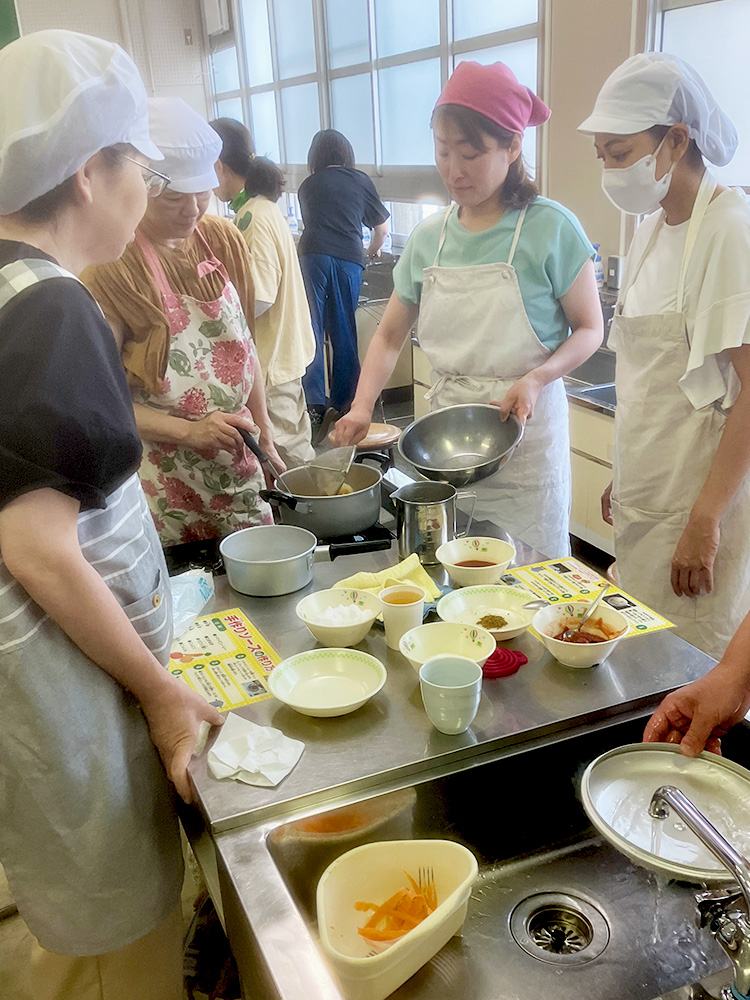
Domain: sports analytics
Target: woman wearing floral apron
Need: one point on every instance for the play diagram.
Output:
(503, 286)
(177, 300)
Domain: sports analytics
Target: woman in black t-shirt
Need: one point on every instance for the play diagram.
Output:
(336, 201)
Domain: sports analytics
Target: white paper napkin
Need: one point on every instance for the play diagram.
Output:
(257, 755)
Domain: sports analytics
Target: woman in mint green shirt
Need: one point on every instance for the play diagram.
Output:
(503, 286)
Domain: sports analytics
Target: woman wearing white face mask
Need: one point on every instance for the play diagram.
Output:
(680, 498)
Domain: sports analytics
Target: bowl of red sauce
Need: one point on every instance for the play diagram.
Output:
(590, 645)
(475, 560)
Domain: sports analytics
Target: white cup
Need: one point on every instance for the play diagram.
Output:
(451, 689)
(403, 609)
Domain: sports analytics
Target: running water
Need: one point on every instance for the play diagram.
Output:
(657, 829)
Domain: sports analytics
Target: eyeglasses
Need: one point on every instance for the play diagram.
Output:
(156, 183)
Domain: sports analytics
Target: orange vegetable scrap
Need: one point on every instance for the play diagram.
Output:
(401, 913)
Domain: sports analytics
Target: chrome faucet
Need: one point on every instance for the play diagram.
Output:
(717, 909)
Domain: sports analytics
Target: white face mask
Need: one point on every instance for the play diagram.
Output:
(635, 189)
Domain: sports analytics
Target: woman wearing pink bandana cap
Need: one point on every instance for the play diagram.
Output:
(503, 286)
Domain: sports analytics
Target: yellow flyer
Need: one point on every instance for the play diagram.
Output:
(559, 580)
(224, 658)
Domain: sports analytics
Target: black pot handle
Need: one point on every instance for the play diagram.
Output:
(279, 498)
(355, 548)
(378, 456)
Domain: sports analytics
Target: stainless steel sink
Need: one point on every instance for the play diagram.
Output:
(555, 912)
(605, 395)
(599, 369)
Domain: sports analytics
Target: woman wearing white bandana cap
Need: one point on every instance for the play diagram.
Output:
(88, 831)
(680, 498)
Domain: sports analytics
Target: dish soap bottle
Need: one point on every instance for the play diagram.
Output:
(598, 267)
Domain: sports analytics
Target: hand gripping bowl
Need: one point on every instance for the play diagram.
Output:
(460, 444)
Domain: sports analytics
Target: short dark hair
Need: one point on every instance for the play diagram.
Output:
(237, 144)
(693, 153)
(48, 205)
(329, 148)
(518, 189)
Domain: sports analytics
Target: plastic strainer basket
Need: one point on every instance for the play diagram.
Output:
(374, 872)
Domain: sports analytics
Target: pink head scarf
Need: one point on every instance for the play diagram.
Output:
(494, 92)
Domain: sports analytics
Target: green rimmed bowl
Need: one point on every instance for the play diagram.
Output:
(327, 682)
(469, 606)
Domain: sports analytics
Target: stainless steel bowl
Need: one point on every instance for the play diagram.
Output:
(460, 444)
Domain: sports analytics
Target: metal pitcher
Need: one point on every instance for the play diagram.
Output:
(426, 517)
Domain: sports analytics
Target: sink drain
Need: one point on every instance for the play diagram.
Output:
(559, 928)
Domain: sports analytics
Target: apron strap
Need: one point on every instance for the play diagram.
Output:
(516, 235)
(172, 304)
(212, 263)
(441, 241)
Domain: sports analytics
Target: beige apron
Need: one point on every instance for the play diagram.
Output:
(475, 332)
(664, 448)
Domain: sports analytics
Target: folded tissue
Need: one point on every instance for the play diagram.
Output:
(257, 755)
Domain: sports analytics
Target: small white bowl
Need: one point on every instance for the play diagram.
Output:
(495, 551)
(468, 605)
(327, 682)
(425, 641)
(309, 610)
(552, 620)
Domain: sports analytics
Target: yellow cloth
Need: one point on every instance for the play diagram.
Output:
(283, 333)
(408, 571)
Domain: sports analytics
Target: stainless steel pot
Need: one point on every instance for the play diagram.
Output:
(461, 444)
(329, 517)
(426, 518)
(273, 559)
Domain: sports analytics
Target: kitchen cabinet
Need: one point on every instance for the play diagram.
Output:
(592, 441)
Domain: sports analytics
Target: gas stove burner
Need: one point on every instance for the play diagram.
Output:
(376, 532)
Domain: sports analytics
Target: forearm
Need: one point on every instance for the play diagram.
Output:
(161, 427)
(729, 466)
(384, 350)
(377, 238)
(579, 346)
(256, 403)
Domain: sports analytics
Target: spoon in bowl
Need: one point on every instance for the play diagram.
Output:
(586, 614)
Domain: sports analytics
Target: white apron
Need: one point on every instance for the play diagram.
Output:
(663, 452)
(475, 332)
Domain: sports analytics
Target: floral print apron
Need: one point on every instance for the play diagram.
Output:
(194, 495)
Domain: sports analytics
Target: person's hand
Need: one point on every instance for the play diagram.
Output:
(372, 255)
(351, 428)
(693, 559)
(521, 398)
(267, 444)
(174, 717)
(606, 501)
(698, 715)
(217, 431)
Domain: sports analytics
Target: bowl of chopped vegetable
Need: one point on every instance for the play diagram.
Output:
(590, 644)
(498, 609)
(339, 617)
(385, 909)
(425, 641)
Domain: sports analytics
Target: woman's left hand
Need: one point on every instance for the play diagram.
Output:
(521, 398)
(693, 559)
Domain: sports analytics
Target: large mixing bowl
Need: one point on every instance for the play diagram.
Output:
(461, 444)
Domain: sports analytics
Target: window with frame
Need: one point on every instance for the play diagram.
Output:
(681, 28)
(371, 69)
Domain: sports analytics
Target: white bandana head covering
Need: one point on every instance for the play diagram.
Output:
(654, 88)
(65, 97)
(189, 145)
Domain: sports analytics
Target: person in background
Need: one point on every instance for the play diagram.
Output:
(503, 286)
(680, 499)
(698, 715)
(93, 726)
(177, 300)
(336, 201)
(283, 331)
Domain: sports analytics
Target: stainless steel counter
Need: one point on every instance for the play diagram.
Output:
(391, 738)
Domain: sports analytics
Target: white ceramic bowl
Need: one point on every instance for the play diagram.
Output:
(310, 608)
(326, 682)
(374, 872)
(552, 620)
(425, 641)
(493, 550)
(470, 604)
